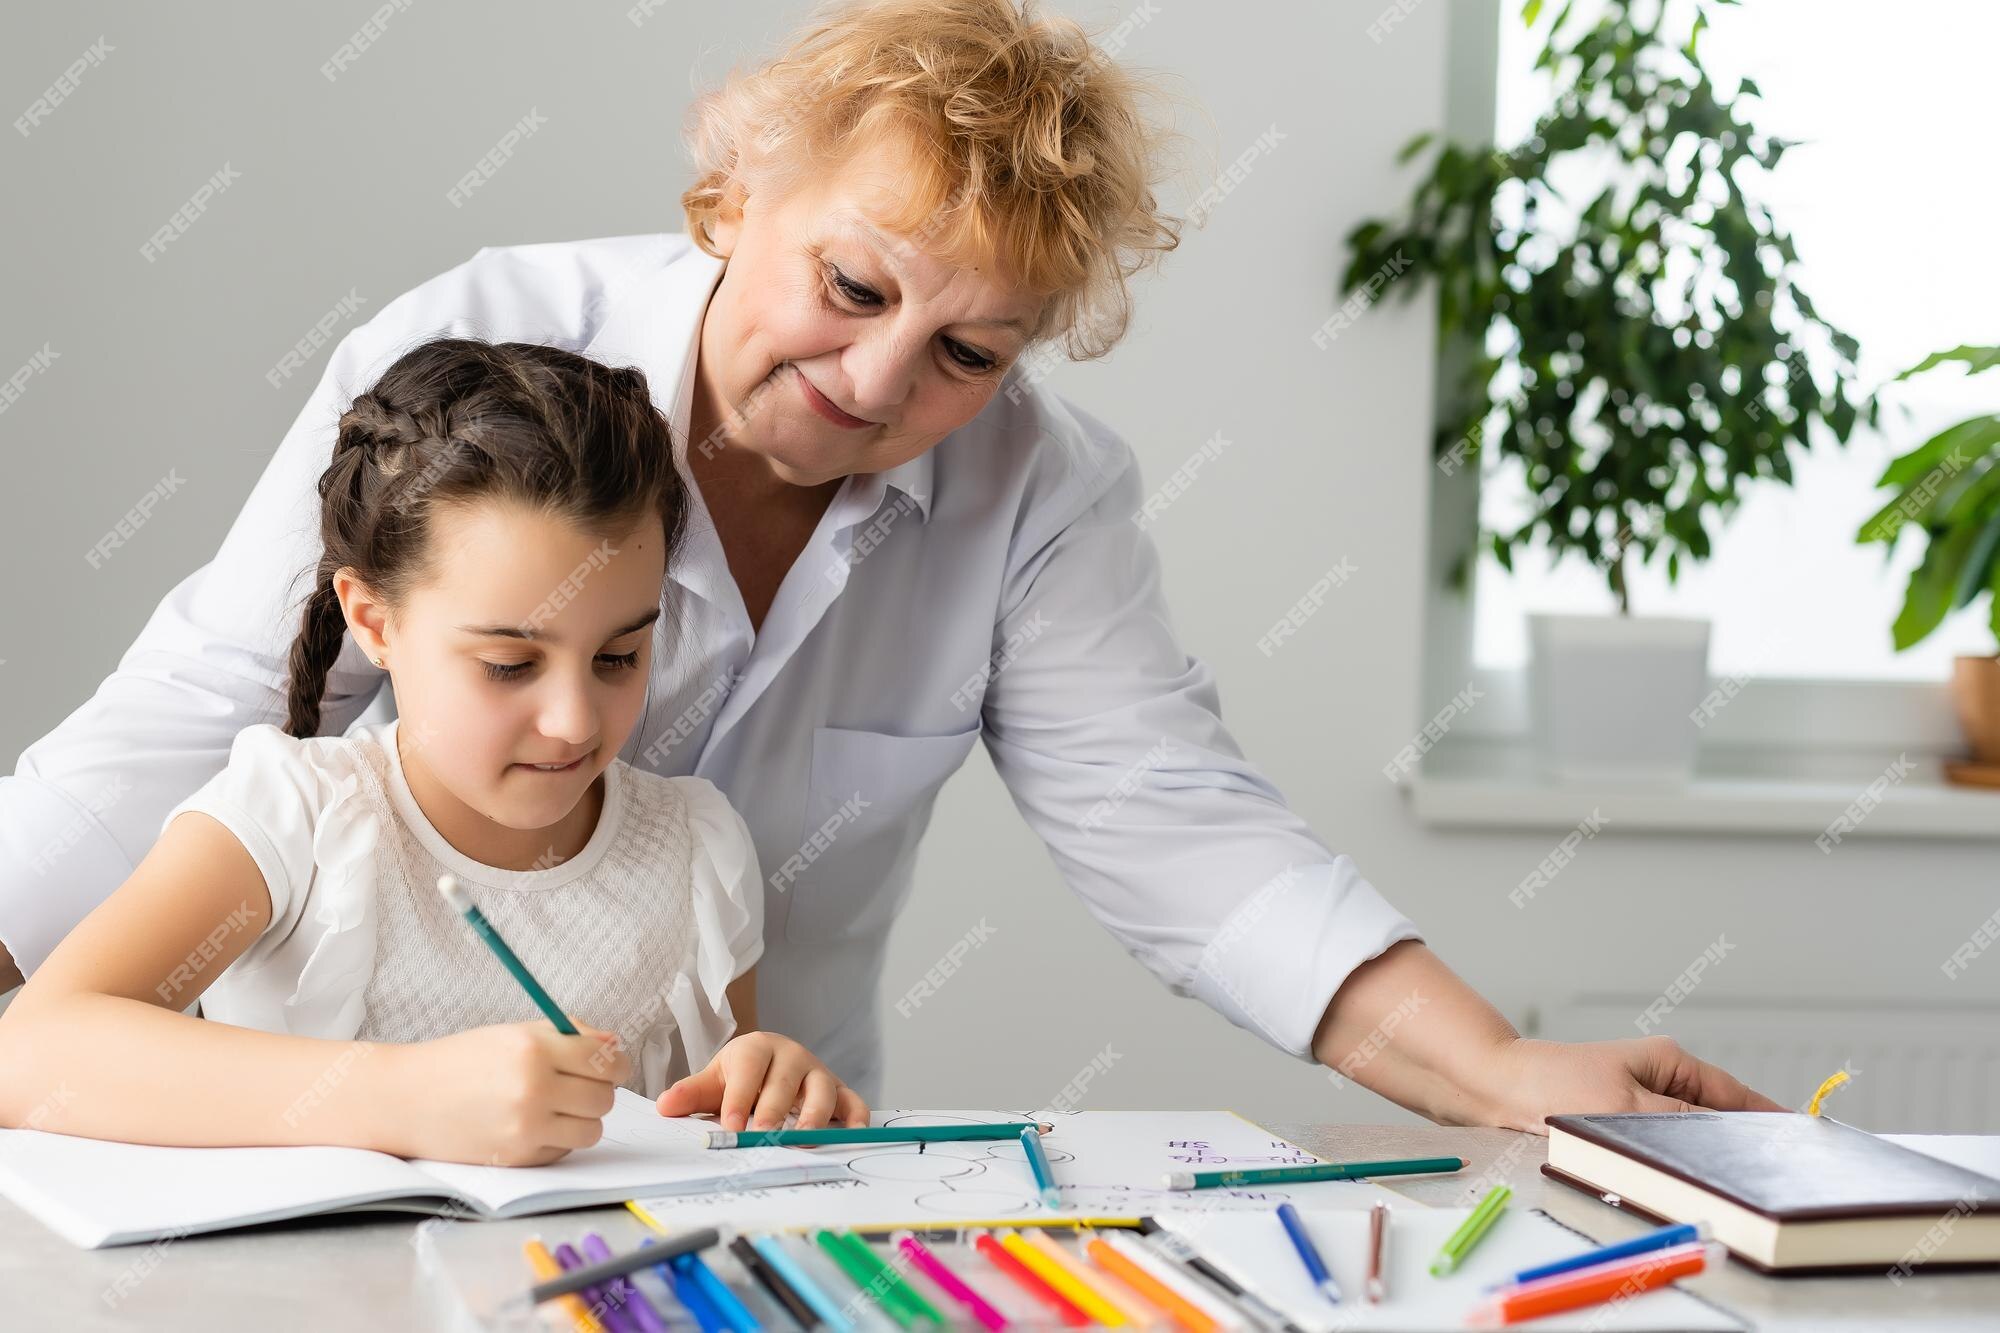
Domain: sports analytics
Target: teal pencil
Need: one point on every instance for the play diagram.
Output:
(455, 894)
(1294, 1175)
(821, 1138)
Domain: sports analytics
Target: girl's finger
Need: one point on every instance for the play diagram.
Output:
(582, 1096)
(573, 1131)
(849, 1110)
(743, 1069)
(818, 1100)
(782, 1081)
(696, 1094)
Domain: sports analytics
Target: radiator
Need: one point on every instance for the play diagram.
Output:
(1914, 1070)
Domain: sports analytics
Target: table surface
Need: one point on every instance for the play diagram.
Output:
(342, 1274)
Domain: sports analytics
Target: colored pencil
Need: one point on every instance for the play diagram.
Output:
(864, 1134)
(461, 902)
(1377, 1282)
(1038, 1164)
(1299, 1175)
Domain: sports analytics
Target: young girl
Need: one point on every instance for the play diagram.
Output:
(496, 523)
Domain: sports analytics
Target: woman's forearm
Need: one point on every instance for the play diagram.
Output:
(104, 1066)
(1404, 1025)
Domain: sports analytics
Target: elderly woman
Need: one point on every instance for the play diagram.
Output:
(902, 546)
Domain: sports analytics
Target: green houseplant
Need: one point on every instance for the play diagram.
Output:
(1948, 489)
(1618, 319)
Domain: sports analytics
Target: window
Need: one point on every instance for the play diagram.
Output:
(1892, 200)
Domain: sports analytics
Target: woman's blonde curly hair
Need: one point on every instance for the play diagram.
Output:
(1028, 146)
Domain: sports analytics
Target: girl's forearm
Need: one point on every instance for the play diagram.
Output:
(1406, 1026)
(104, 1066)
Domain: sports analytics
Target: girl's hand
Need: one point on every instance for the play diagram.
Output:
(515, 1094)
(759, 1078)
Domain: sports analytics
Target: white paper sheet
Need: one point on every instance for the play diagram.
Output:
(1254, 1249)
(1106, 1163)
(1974, 1152)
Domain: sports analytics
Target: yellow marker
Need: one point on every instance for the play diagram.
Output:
(1115, 1293)
(545, 1267)
(1838, 1077)
(1079, 1294)
(639, 1211)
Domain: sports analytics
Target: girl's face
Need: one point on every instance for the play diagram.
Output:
(530, 645)
(844, 348)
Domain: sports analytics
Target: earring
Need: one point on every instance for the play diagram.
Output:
(376, 660)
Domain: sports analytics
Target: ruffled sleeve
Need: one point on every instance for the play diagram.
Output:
(728, 902)
(300, 809)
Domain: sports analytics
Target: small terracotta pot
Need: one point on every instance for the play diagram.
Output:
(1975, 692)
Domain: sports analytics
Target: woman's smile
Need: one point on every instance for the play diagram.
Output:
(825, 406)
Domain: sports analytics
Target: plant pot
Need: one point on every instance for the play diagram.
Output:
(1975, 693)
(1612, 698)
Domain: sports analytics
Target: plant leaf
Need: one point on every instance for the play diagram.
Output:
(1979, 564)
(1931, 586)
(1976, 359)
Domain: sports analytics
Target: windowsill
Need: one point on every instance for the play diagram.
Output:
(1493, 783)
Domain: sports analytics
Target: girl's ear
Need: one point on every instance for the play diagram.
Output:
(367, 616)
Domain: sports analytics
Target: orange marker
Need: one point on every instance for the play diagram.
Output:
(545, 1267)
(1594, 1286)
(1186, 1316)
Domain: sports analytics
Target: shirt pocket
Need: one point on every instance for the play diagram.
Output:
(868, 801)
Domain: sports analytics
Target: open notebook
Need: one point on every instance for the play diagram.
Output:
(95, 1193)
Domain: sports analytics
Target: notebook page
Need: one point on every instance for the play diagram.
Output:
(95, 1192)
(641, 1152)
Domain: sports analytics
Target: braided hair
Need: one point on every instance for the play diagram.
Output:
(457, 419)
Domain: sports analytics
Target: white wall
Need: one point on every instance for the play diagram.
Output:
(342, 189)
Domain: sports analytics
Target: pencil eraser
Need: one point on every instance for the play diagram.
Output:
(1180, 1180)
(454, 892)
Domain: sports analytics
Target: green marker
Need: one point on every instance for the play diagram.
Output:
(1477, 1223)
(869, 1273)
(1299, 1175)
(461, 901)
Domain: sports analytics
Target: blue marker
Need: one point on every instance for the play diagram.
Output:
(1651, 1240)
(809, 1291)
(731, 1309)
(687, 1290)
(1038, 1162)
(1295, 1227)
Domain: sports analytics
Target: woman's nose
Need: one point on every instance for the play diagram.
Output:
(881, 368)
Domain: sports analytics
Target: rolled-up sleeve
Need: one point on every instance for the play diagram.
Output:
(1109, 737)
(85, 802)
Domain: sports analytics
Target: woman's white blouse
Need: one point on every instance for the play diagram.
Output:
(640, 932)
(1002, 586)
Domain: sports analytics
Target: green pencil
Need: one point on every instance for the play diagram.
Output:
(1298, 1175)
(821, 1138)
(1476, 1224)
(455, 894)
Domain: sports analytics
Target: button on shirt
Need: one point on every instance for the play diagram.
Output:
(998, 587)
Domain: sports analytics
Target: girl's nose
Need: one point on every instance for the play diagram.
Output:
(567, 714)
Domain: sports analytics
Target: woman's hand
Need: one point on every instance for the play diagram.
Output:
(515, 1094)
(759, 1078)
(1547, 1078)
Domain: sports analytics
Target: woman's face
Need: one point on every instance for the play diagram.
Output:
(831, 347)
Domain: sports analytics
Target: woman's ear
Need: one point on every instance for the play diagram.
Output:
(726, 225)
(367, 616)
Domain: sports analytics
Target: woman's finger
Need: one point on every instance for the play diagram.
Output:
(849, 1110)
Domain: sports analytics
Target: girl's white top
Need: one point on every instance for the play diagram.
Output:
(638, 933)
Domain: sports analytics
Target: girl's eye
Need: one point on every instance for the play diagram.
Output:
(966, 357)
(605, 661)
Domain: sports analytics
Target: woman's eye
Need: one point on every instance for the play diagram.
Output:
(853, 291)
(968, 358)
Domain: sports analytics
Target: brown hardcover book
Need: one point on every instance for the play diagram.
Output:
(1786, 1193)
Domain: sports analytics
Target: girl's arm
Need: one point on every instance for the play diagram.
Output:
(96, 1044)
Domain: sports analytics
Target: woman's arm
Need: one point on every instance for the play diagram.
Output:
(96, 1043)
(1404, 1025)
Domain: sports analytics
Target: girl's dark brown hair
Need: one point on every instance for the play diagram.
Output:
(457, 420)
